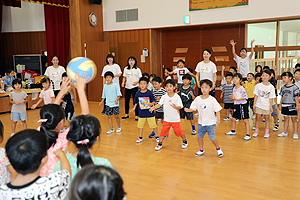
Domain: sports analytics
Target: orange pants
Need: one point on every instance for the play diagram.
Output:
(176, 127)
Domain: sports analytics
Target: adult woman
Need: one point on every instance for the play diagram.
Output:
(55, 72)
(206, 69)
(131, 76)
(114, 68)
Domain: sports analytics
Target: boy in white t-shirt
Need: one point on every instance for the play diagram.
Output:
(207, 106)
(243, 61)
(46, 94)
(180, 71)
(172, 104)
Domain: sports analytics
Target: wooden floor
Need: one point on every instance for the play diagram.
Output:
(256, 169)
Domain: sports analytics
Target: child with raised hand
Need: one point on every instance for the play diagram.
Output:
(172, 104)
(264, 94)
(84, 133)
(67, 103)
(18, 99)
(193, 81)
(207, 106)
(180, 71)
(111, 93)
(8, 80)
(47, 94)
(97, 182)
(243, 60)
(231, 69)
(289, 104)
(158, 92)
(249, 86)
(226, 92)
(241, 110)
(27, 153)
(53, 120)
(187, 95)
(144, 99)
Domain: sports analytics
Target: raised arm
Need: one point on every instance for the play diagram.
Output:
(252, 49)
(80, 85)
(233, 47)
(222, 73)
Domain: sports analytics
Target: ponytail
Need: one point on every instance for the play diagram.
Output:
(51, 135)
(84, 156)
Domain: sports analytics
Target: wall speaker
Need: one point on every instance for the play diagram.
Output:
(95, 2)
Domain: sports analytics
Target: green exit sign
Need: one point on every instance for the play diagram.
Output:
(187, 19)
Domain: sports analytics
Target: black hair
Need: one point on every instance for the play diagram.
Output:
(267, 71)
(53, 113)
(64, 74)
(180, 60)
(229, 74)
(16, 81)
(258, 66)
(187, 76)
(191, 70)
(152, 75)
(9, 71)
(108, 73)
(145, 74)
(243, 49)
(157, 79)
(266, 67)
(1, 131)
(135, 63)
(144, 79)
(209, 51)
(233, 68)
(45, 80)
(170, 81)
(297, 65)
(238, 75)
(258, 74)
(25, 150)
(110, 56)
(250, 74)
(97, 182)
(169, 69)
(297, 70)
(84, 130)
(207, 81)
(54, 56)
(288, 74)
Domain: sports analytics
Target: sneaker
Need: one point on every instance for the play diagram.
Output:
(278, 121)
(196, 114)
(136, 119)
(184, 145)
(118, 129)
(255, 135)
(11, 134)
(103, 113)
(110, 131)
(139, 140)
(236, 120)
(194, 132)
(275, 128)
(220, 152)
(158, 147)
(157, 139)
(254, 116)
(165, 137)
(267, 135)
(295, 137)
(125, 117)
(283, 134)
(283, 120)
(199, 153)
(227, 119)
(247, 137)
(152, 135)
(263, 120)
(253, 128)
(230, 133)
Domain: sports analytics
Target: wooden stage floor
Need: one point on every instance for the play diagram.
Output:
(256, 169)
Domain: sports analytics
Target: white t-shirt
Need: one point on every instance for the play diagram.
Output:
(243, 65)
(132, 75)
(47, 95)
(180, 72)
(206, 109)
(115, 69)
(55, 75)
(264, 93)
(171, 114)
(206, 70)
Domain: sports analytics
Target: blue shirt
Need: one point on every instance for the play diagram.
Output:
(143, 100)
(110, 94)
(192, 83)
(8, 81)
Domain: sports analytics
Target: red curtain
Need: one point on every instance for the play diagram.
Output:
(13, 3)
(59, 3)
(57, 33)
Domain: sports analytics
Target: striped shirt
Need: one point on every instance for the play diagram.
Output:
(227, 89)
(159, 94)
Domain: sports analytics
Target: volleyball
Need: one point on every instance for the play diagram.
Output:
(81, 65)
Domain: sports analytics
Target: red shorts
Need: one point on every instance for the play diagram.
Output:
(177, 128)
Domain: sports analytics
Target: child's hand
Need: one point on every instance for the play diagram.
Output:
(132, 110)
(123, 85)
(65, 85)
(157, 98)
(231, 97)
(187, 110)
(173, 105)
(100, 104)
(59, 153)
(218, 121)
(134, 83)
(151, 109)
(191, 93)
(116, 102)
(80, 81)
(17, 103)
(279, 107)
(232, 42)
(252, 41)
(297, 108)
(221, 96)
(33, 106)
(271, 109)
(254, 107)
(223, 68)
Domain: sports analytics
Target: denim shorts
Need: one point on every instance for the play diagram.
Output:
(18, 116)
(210, 129)
(274, 113)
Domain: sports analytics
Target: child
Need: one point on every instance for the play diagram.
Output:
(97, 182)
(46, 94)
(207, 106)
(243, 61)
(67, 103)
(53, 120)
(273, 81)
(258, 69)
(297, 66)
(257, 77)
(172, 103)
(167, 71)
(187, 95)
(84, 133)
(144, 99)
(226, 92)
(264, 94)
(150, 86)
(180, 71)
(27, 153)
(193, 82)
(241, 110)
(111, 93)
(249, 85)
(231, 69)
(297, 77)
(8, 80)
(158, 92)
(18, 99)
(289, 104)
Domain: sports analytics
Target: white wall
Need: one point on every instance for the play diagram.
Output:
(30, 17)
(167, 13)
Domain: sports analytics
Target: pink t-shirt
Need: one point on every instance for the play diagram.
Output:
(61, 142)
(240, 93)
(47, 95)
